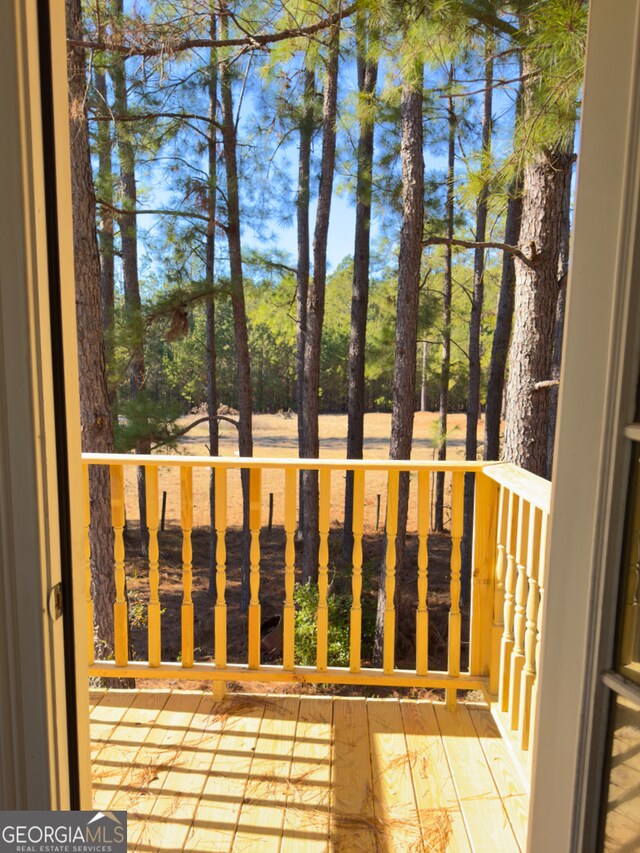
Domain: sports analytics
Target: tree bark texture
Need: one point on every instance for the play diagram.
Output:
(129, 250)
(210, 263)
(243, 371)
(95, 415)
(106, 241)
(315, 314)
(404, 369)
(504, 316)
(477, 302)
(304, 261)
(558, 331)
(445, 365)
(367, 80)
(502, 332)
(546, 182)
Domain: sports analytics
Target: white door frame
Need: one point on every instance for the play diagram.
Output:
(34, 734)
(600, 366)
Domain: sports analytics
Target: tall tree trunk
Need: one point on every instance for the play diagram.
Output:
(212, 385)
(315, 313)
(241, 335)
(445, 367)
(546, 182)
(504, 316)
(304, 265)
(404, 368)
(502, 332)
(558, 331)
(367, 79)
(106, 245)
(473, 395)
(96, 428)
(423, 379)
(129, 247)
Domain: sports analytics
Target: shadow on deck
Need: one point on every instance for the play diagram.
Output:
(293, 773)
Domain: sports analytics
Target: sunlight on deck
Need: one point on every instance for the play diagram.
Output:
(291, 773)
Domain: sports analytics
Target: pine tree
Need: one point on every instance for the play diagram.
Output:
(554, 41)
(96, 431)
(367, 65)
(477, 302)
(129, 250)
(243, 366)
(409, 261)
(315, 312)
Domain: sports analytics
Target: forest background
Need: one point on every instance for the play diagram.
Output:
(226, 156)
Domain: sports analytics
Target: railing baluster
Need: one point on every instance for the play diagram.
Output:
(455, 618)
(483, 573)
(220, 619)
(533, 596)
(422, 613)
(186, 523)
(255, 493)
(120, 627)
(289, 614)
(517, 658)
(153, 608)
(324, 519)
(355, 634)
(542, 581)
(498, 594)
(506, 647)
(389, 642)
(87, 558)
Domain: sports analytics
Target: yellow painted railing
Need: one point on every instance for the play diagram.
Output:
(508, 578)
(519, 584)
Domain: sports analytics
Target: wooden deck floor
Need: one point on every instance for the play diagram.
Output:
(289, 773)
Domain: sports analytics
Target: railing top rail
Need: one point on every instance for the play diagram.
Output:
(175, 460)
(536, 490)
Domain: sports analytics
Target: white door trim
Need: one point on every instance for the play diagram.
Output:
(600, 362)
(34, 766)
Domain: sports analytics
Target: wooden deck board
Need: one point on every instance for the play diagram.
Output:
(215, 823)
(123, 743)
(160, 751)
(306, 818)
(485, 818)
(394, 801)
(504, 772)
(439, 810)
(107, 710)
(352, 818)
(262, 814)
(287, 773)
(177, 804)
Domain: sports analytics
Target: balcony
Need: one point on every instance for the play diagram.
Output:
(211, 769)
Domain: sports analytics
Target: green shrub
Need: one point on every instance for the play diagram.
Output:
(339, 606)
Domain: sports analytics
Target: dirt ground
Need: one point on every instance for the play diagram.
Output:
(276, 436)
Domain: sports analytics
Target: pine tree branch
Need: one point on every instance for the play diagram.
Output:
(270, 264)
(497, 85)
(547, 383)
(159, 212)
(473, 244)
(110, 116)
(167, 48)
(174, 435)
(485, 13)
